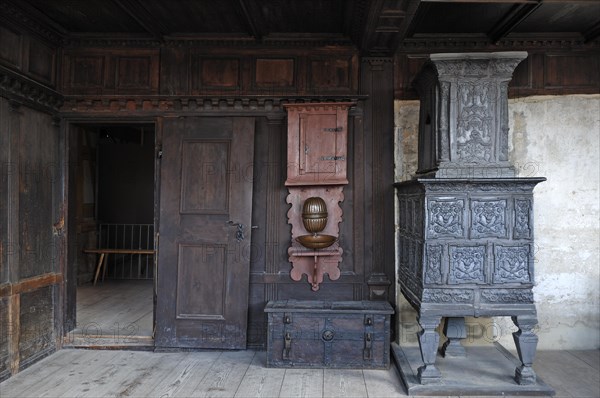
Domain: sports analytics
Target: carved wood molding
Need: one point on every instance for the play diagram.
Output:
(75, 41)
(26, 20)
(26, 91)
(193, 104)
(431, 43)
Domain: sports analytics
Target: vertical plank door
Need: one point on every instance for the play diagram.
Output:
(204, 232)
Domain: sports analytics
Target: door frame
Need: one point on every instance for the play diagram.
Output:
(69, 286)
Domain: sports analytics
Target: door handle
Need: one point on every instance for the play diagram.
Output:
(239, 234)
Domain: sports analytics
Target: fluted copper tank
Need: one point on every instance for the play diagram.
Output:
(314, 214)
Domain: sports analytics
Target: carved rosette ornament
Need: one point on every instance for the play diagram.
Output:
(465, 223)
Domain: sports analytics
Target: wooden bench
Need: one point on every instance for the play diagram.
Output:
(105, 252)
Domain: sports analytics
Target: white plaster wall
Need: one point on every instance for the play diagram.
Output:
(557, 137)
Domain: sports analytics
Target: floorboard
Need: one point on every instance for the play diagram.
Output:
(98, 373)
(302, 383)
(344, 383)
(224, 376)
(115, 309)
(260, 381)
(592, 358)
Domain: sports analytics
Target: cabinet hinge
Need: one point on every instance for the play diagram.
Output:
(333, 158)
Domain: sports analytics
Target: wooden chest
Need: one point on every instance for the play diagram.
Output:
(328, 334)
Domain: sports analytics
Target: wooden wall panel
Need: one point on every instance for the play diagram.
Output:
(209, 72)
(134, 74)
(215, 74)
(550, 72)
(5, 332)
(7, 168)
(10, 47)
(87, 73)
(329, 74)
(42, 62)
(174, 71)
(571, 71)
(29, 55)
(274, 73)
(31, 246)
(110, 72)
(38, 154)
(36, 332)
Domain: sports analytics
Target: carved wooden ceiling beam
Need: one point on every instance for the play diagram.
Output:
(517, 14)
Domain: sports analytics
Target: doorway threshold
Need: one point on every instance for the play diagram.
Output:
(104, 342)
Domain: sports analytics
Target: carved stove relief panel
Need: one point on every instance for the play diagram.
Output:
(522, 227)
(433, 265)
(488, 218)
(448, 296)
(467, 264)
(506, 296)
(511, 264)
(475, 122)
(445, 218)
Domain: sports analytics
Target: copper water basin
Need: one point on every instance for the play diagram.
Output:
(316, 241)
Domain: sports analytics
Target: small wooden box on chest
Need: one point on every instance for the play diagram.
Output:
(328, 334)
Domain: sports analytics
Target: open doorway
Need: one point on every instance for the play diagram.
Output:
(111, 262)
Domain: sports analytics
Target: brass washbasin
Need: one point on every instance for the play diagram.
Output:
(316, 241)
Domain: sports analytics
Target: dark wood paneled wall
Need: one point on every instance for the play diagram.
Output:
(176, 71)
(553, 70)
(34, 56)
(31, 245)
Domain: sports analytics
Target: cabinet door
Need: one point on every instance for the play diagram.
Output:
(317, 145)
(318, 141)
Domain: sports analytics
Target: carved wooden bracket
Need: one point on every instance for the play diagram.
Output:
(315, 263)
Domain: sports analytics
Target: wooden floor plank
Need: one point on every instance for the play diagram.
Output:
(383, 383)
(590, 357)
(138, 369)
(115, 308)
(344, 383)
(260, 381)
(302, 383)
(81, 373)
(223, 377)
(188, 372)
(40, 373)
(567, 374)
(92, 370)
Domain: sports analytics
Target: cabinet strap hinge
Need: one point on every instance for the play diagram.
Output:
(333, 129)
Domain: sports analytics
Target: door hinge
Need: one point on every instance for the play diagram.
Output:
(333, 158)
(333, 129)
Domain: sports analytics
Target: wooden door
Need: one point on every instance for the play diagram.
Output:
(204, 232)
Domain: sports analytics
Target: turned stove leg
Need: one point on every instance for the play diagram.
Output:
(526, 341)
(455, 331)
(429, 340)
